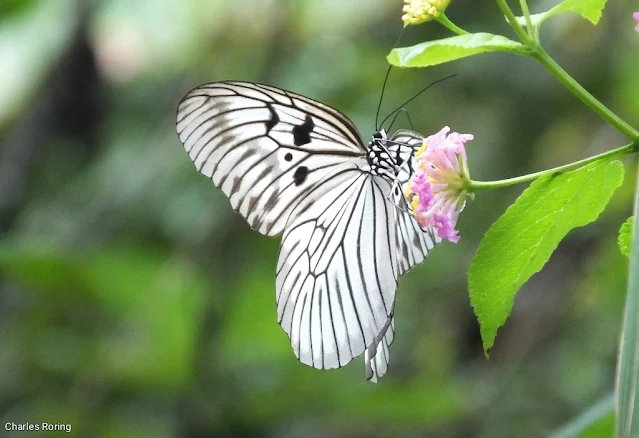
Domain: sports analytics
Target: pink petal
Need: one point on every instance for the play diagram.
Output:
(438, 182)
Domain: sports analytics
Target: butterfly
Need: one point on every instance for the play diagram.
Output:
(291, 165)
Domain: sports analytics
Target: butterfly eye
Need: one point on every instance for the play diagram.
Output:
(377, 135)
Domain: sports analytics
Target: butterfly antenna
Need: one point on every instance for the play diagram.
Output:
(417, 95)
(397, 113)
(381, 97)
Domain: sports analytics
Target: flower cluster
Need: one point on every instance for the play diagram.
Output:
(421, 11)
(636, 17)
(438, 188)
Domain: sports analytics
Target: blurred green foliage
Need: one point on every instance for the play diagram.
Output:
(135, 303)
(7, 7)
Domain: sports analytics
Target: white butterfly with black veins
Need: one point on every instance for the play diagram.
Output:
(292, 165)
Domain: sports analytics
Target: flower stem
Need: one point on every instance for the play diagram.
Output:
(587, 98)
(535, 50)
(510, 16)
(444, 20)
(483, 185)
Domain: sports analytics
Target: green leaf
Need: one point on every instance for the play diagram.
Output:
(449, 49)
(589, 9)
(521, 241)
(625, 233)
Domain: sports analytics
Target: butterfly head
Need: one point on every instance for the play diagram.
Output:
(379, 135)
(380, 157)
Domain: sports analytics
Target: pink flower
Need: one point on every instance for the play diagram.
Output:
(438, 188)
(636, 17)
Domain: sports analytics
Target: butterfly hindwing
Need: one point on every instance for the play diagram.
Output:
(413, 243)
(337, 268)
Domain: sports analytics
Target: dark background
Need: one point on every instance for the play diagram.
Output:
(135, 303)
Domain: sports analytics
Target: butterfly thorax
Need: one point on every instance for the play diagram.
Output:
(379, 157)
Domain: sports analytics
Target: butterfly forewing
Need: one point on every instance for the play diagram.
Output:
(262, 146)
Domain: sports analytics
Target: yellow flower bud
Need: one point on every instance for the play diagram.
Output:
(421, 11)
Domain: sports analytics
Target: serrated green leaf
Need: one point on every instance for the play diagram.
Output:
(449, 49)
(589, 9)
(625, 234)
(521, 241)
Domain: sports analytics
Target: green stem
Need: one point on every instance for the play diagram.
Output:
(555, 69)
(483, 185)
(526, 12)
(510, 16)
(627, 396)
(587, 98)
(443, 19)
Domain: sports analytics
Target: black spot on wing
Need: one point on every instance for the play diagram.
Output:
(273, 120)
(302, 133)
(300, 175)
(288, 156)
